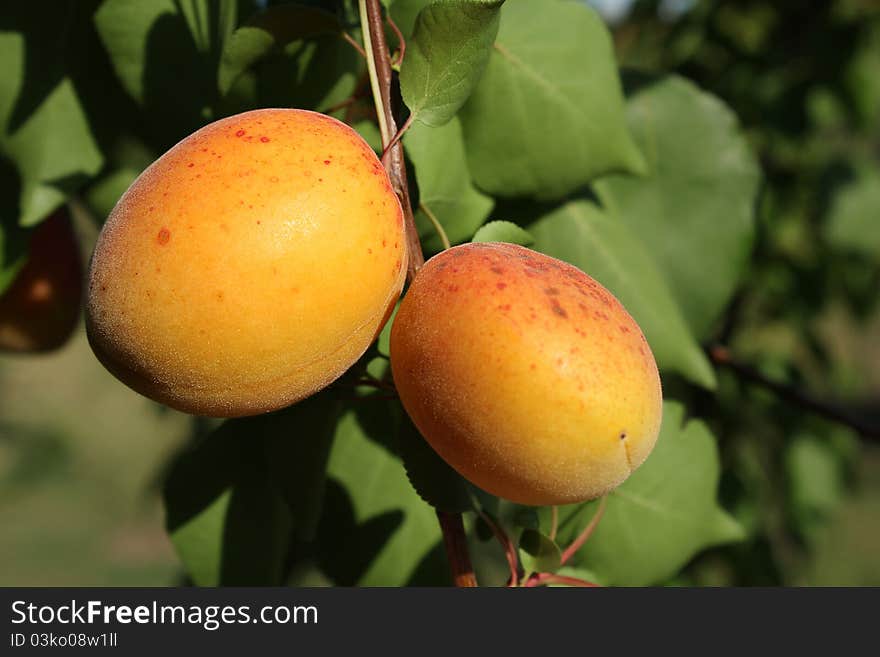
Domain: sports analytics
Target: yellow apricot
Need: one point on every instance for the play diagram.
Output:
(249, 266)
(526, 375)
(39, 310)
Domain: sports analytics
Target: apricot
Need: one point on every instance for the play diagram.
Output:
(524, 374)
(249, 266)
(40, 309)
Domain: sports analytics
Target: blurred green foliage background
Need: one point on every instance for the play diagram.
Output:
(82, 457)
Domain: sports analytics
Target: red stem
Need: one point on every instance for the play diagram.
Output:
(506, 543)
(551, 578)
(397, 137)
(400, 40)
(584, 535)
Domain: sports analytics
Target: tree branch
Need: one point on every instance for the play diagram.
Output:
(379, 65)
(456, 549)
(722, 357)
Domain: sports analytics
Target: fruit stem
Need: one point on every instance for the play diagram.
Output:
(379, 67)
(506, 544)
(401, 51)
(577, 543)
(354, 44)
(444, 239)
(456, 549)
(397, 136)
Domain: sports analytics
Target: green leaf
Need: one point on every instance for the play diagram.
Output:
(579, 573)
(234, 500)
(272, 28)
(433, 479)
(538, 553)
(862, 76)
(227, 521)
(370, 132)
(503, 231)
(405, 13)
(54, 152)
(13, 251)
(694, 208)
(376, 530)
(314, 73)
(854, 217)
(579, 232)
(661, 516)
(383, 343)
(299, 442)
(103, 195)
(446, 56)
(125, 27)
(46, 142)
(445, 186)
(526, 517)
(815, 482)
(547, 116)
(166, 58)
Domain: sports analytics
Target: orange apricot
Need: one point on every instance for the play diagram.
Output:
(40, 309)
(526, 375)
(249, 266)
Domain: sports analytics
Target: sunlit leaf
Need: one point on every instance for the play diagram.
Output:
(445, 57)
(376, 529)
(694, 208)
(235, 499)
(661, 516)
(272, 28)
(445, 187)
(538, 553)
(503, 231)
(854, 216)
(547, 116)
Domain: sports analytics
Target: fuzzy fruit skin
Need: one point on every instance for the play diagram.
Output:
(40, 309)
(526, 375)
(249, 266)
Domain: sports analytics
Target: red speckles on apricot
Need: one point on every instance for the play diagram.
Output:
(518, 401)
(216, 337)
(558, 309)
